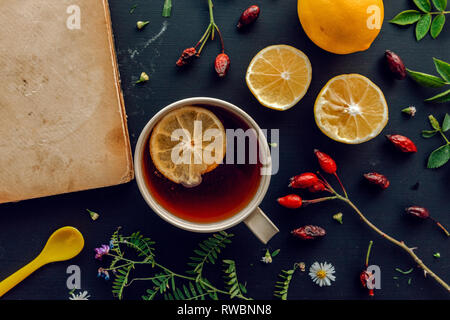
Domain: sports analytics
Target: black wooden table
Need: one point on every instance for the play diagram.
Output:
(25, 226)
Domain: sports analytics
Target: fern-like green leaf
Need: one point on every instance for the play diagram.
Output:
(114, 242)
(120, 281)
(192, 291)
(204, 284)
(282, 286)
(143, 245)
(163, 283)
(231, 280)
(208, 252)
(150, 294)
(160, 285)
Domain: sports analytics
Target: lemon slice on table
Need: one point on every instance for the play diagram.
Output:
(187, 143)
(279, 76)
(351, 109)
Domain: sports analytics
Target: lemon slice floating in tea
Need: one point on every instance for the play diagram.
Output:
(187, 143)
(351, 109)
(279, 76)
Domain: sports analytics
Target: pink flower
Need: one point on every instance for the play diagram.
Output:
(100, 252)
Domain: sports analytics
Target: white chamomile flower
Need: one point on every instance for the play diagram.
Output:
(322, 273)
(80, 296)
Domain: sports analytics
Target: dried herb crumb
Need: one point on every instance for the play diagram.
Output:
(94, 215)
(133, 8)
(141, 24)
(404, 272)
(338, 217)
(410, 111)
(143, 78)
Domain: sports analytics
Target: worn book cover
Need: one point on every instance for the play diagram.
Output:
(62, 117)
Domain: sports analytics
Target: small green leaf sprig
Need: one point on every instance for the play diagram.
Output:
(282, 286)
(424, 18)
(441, 155)
(129, 252)
(428, 80)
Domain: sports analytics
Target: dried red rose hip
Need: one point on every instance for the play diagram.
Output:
(248, 16)
(396, 65)
(404, 144)
(419, 212)
(319, 186)
(304, 180)
(186, 57)
(222, 64)
(309, 232)
(364, 277)
(377, 179)
(326, 162)
(291, 201)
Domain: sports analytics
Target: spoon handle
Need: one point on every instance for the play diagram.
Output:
(19, 275)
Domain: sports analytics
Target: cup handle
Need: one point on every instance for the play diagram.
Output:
(261, 226)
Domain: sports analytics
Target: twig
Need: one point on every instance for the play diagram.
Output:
(400, 244)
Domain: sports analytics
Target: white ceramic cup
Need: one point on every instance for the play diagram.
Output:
(251, 215)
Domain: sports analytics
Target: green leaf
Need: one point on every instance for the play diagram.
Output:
(200, 253)
(233, 286)
(406, 17)
(167, 9)
(209, 251)
(441, 5)
(429, 133)
(177, 296)
(191, 286)
(439, 157)
(426, 80)
(284, 285)
(446, 123)
(440, 98)
(443, 68)
(275, 253)
(423, 26)
(437, 25)
(168, 296)
(434, 123)
(133, 8)
(423, 5)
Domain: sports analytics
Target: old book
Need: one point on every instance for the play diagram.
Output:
(62, 117)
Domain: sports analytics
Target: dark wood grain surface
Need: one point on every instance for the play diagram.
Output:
(25, 226)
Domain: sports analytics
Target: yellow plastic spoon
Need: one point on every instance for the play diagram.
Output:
(64, 244)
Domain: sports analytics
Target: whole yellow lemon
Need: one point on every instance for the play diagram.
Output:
(341, 26)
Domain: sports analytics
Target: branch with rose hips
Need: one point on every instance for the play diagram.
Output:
(318, 183)
(222, 62)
